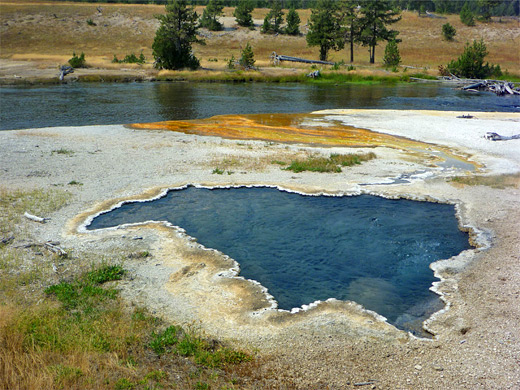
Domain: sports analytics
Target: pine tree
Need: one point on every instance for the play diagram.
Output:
(293, 23)
(274, 19)
(392, 56)
(470, 64)
(242, 13)
(350, 23)
(210, 14)
(325, 28)
(486, 6)
(174, 37)
(247, 60)
(466, 16)
(375, 15)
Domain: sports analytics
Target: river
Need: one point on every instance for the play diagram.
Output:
(79, 104)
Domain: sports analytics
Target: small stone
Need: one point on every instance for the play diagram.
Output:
(418, 367)
(438, 368)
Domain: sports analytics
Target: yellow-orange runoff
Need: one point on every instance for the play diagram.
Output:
(287, 128)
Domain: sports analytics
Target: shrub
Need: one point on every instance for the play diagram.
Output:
(470, 64)
(392, 56)
(338, 65)
(231, 62)
(448, 31)
(130, 59)
(77, 62)
(90, 22)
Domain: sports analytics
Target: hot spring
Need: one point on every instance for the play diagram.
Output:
(302, 248)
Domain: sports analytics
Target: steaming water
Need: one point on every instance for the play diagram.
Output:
(368, 249)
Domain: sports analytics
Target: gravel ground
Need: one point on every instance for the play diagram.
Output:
(333, 344)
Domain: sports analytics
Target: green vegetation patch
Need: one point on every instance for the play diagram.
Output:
(328, 164)
(176, 340)
(498, 181)
(130, 59)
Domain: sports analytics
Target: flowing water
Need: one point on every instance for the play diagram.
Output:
(79, 104)
(368, 249)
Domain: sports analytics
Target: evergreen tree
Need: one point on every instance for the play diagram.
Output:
(486, 6)
(247, 60)
(350, 23)
(375, 15)
(274, 19)
(293, 23)
(471, 63)
(210, 14)
(448, 31)
(392, 56)
(466, 16)
(242, 13)
(174, 37)
(325, 28)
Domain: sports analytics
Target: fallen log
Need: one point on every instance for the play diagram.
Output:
(55, 249)
(49, 245)
(497, 137)
(476, 85)
(276, 59)
(35, 218)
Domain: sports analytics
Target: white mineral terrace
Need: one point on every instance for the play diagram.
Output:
(479, 329)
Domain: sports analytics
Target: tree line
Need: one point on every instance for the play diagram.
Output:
(478, 7)
(333, 24)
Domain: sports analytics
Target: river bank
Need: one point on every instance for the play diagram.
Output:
(26, 73)
(332, 344)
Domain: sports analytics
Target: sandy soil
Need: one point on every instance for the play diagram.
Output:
(328, 345)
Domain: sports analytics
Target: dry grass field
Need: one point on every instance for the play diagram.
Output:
(48, 33)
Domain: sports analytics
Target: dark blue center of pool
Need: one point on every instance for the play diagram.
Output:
(367, 249)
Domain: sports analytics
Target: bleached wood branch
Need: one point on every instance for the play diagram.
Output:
(35, 218)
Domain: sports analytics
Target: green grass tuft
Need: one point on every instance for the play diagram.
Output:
(330, 164)
(186, 343)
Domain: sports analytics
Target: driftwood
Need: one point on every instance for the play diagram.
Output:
(432, 15)
(314, 75)
(498, 87)
(497, 137)
(6, 240)
(65, 70)
(35, 218)
(277, 58)
(51, 246)
(365, 383)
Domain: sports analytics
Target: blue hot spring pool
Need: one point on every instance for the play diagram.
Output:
(367, 249)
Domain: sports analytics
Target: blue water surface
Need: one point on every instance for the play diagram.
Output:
(79, 104)
(367, 249)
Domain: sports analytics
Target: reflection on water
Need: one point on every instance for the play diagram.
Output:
(367, 249)
(79, 104)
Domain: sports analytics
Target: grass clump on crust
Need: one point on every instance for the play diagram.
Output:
(328, 164)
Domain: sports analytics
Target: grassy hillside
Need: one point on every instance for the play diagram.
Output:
(50, 31)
